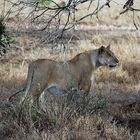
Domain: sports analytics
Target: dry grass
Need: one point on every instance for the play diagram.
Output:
(66, 118)
(75, 117)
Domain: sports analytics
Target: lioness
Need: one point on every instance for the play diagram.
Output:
(45, 74)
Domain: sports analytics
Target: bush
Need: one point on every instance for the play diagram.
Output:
(5, 40)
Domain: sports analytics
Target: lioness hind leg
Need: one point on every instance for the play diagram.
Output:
(42, 101)
(36, 96)
(35, 91)
(32, 95)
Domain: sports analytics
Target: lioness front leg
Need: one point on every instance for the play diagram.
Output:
(85, 86)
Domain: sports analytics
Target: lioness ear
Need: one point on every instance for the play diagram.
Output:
(108, 47)
(101, 49)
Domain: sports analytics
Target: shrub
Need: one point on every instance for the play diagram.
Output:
(5, 40)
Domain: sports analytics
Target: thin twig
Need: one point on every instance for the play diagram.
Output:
(134, 21)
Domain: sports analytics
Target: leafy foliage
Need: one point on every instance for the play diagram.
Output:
(5, 40)
(47, 2)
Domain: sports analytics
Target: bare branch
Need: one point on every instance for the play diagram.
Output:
(128, 7)
(62, 16)
(134, 21)
(129, 3)
(95, 12)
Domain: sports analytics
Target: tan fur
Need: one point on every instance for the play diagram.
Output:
(44, 73)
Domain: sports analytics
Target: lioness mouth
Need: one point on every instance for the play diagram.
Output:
(113, 65)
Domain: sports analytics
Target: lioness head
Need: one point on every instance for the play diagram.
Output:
(106, 57)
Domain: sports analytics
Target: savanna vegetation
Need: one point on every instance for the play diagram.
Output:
(112, 109)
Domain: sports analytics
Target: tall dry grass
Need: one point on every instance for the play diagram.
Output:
(75, 116)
